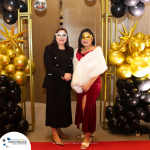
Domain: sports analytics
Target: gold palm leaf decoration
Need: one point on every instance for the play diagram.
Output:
(11, 38)
(128, 37)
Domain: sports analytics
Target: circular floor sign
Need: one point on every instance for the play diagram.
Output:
(14, 141)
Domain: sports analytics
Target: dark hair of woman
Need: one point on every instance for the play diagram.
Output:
(80, 37)
(54, 42)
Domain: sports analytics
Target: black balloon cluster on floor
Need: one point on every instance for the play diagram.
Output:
(131, 106)
(11, 113)
(8, 8)
(135, 7)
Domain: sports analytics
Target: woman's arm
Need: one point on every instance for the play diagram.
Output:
(87, 86)
(48, 63)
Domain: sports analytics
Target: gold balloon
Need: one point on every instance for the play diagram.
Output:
(109, 51)
(116, 58)
(146, 51)
(129, 59)
(123, 49)
(139, 67)
(3, 72)
(114, 46)
(10, 77)
(20, 62)
(19, 77)
(144, 56)
(1, 67)
(123, 71)
(138, 44)
(147, 42)
(136, 54)
(10, 68)
(148, 60)
(5, 59)
(139, 35)
(10, 53)
(27, 69)
(2, 46)
(18, 51)
(146, 36)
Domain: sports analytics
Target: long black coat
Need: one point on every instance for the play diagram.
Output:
(53, 64)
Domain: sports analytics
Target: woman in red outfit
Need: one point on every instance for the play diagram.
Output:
(88, 64)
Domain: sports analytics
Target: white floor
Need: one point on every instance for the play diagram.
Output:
(43, 133)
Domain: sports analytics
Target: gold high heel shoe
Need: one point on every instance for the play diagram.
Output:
(58, 143)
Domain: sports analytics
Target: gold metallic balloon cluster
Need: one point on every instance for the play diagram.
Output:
(13, 63)
(132, 55)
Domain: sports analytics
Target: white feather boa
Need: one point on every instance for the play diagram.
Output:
(91, 65)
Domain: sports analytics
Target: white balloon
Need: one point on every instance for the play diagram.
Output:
(131, 2)
(145, 1)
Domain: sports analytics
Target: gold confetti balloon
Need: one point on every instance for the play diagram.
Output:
(10, 68)
(116, 58)
(138, 44)
(20, 62)
(10, 53)
(124, 72)
(19, 77)
(147, 42)
(114, 46)
(139, 35)
(129, 59)
(5, 59)
(3, 72)
(139, 67)
(27, 69)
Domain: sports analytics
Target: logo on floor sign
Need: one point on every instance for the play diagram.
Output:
(14, 141)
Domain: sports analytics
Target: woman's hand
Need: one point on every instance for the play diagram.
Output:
(67, 76)
(85, 87)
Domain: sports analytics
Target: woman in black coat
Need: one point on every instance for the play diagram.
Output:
(58, 62)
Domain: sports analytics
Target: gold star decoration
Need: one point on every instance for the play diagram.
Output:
(11, 38)
(128, 37)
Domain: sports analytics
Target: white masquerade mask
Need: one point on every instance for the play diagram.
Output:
(61, 35)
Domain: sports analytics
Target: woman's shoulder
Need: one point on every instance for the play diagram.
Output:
(49, 47)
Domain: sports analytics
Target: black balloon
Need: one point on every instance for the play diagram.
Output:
(147, 108)
(124, 93)
(140, 113)
(5, 115)
(22, 126)
(113, 124)
(120, 84)
(109, 112)
(11, 118)
(122, 119)
(147, 99)
(130, 102)
(11, 84)
(18, 111)
(119, 109)
(126, 128)
(119, 92)
(1, 123)
(142, 96)
(10, 17)
(129, 84)
(131, 2)
(137, 10)
(23, 6)
(10, 106)
(134, 92)
(3, 90)
(1, 7)
(115, 1)
(17, 100)
(147, 118)
(3, 80)
(130, 114)
(135, 123)
(11, 5)
(119, 9)
(2, 102)
(117, 99)
(7, 128)
(14, 93)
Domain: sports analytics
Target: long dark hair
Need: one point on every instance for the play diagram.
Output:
(54, 42)
(80, 37)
